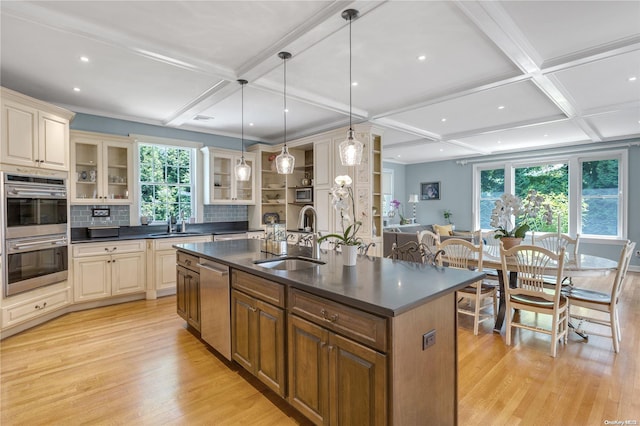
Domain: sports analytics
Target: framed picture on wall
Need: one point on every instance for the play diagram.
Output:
(430, 191)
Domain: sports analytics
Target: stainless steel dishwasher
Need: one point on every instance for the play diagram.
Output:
(215, 303)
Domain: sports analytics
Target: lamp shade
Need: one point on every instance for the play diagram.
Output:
(285, 162)
(243, 170)
(350, 150)
(413, 198)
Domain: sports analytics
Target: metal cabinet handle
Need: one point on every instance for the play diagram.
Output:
(253, 309)
(330, 318)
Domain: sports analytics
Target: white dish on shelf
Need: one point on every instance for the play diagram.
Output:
(275, 186)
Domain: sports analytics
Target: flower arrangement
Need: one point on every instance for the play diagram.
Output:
(342, 200)
(395, 206)
(525, 213)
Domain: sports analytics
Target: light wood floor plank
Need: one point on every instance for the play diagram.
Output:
(136, 364)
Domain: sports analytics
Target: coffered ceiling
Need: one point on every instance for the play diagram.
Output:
(496, 76)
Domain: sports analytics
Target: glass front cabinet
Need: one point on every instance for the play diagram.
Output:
(220, 184)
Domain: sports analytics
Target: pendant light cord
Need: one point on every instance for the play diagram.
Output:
(242, 114)
(350, 78)
(285, 101)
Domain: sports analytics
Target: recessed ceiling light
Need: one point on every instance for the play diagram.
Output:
(441, 149)
(76, 89)
(355, 83)
(499, 142)
(634, 78)
(84, 59)
(422, 58)
(398, 155)
(501, 107)
(443, 119)
(546, 135)
(251, 124)
(286, 110)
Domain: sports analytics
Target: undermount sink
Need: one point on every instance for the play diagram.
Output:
(289, 263)
(176, 234)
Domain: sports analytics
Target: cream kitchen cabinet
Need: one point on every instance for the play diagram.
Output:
(108, 269)
(220, 184)
(34, 133)
(161, 263)
(102, 169)
(40, 303)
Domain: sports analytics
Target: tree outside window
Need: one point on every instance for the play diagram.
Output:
(165, 182)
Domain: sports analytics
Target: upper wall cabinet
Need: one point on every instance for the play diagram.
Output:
(34, 133)
(220, 184)
(102, 169)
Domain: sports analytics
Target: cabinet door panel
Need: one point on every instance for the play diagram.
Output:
(308, 369)
(270, 362)
(165, 262)
(243, 328)
(92, 278)
(193, 305)
(181, 292)
(128, 273)
(357, 385)
(53, 145)
(19, 134)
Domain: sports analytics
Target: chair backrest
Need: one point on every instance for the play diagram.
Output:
(553, 242)
(491, 244)
(410, 251)
(429, 239)
(532, 263)
(621, 273)
(460, 254)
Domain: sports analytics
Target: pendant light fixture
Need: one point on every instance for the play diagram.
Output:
(243, 170)
(285, 161)
(351, 148)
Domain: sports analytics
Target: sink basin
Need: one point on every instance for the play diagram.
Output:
(175, 234)
(289, 263)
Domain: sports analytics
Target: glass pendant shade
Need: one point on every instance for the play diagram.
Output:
(243, 171)
(285, 162)
(350, 150)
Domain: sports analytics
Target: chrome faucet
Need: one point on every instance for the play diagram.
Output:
(170, 221)
(314, 235)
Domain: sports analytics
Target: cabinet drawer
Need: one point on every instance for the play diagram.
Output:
(114, 247)
(35, 307)
(188, 261)
(260, 288)
(363, 327)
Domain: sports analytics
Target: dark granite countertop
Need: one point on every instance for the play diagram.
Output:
(80, 235)
(376, 285)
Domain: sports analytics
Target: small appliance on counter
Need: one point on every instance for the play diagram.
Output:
(103, 231)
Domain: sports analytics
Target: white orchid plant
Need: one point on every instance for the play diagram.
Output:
(512, 217)
(344, 203)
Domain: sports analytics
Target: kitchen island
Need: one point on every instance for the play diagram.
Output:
(370, 344)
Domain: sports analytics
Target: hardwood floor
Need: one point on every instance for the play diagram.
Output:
(136, 363)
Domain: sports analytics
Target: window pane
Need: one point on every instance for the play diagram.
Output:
(600, 197)
(551, 181)
(165, 174)
(491, 188)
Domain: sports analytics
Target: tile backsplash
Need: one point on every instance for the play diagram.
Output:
(120, 216)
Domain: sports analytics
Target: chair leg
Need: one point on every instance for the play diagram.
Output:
(614, 331)
(476, 316)
(508, 327)
(495, 306)
(554, 335)
(615, 309)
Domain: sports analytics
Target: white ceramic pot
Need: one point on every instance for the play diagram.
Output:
(349, 255)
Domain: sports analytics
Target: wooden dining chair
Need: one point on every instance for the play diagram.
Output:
(607, 302)
(429, 239)
(411, 251)
(530, 293)
(462, 254)
(551, 241)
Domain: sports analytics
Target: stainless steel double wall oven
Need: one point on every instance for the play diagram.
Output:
(35, 229)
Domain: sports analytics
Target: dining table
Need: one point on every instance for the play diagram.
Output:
(581, 265)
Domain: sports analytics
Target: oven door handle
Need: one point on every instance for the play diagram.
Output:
(54, 194)
(45, 243)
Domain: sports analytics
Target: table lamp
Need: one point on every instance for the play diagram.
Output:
(413, 199)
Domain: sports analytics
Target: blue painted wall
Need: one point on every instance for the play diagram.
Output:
(456, 195)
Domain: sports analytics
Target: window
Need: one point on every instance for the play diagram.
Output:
(387, 191)
(165, 181)
(586, 192)
(491, 188)
(600, 197)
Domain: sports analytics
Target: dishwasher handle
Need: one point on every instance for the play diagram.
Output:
(221, 272)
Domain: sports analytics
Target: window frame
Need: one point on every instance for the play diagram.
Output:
(195, 175)
(574, 161)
